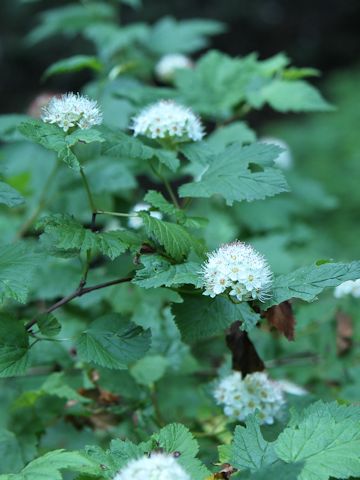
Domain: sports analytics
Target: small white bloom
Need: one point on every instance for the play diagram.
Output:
(254, 394)
(168, 64)
(237, 269)
(137, 222)
(167, 119)
(158, 466)
(350, 287)
(285, 159)
(72, 110)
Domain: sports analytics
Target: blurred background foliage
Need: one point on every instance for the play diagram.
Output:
(318, 219)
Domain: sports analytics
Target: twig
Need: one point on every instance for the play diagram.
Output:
(80, 291)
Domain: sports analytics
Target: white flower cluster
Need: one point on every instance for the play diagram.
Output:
(285, 160)
(137, 222)
(254, 394)
(350, 287)
(168, 64)
(167, 119)
(238, 269)
(158, 466)
(72, 110)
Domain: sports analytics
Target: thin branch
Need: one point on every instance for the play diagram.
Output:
(81, 290)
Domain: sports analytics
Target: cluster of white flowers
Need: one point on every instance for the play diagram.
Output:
(137, 222)
(168, 64)
(167, 119)
(285, 159)
(350, 287)
(254, 394)
(72, 110)
(157, 466)
(238, 269)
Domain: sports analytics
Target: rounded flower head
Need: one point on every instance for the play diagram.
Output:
(158, 466)
(72, 110)
(137, 222)
(237, 269)
(167, 119)
(168, 64)
(254, 394)
(350, 287)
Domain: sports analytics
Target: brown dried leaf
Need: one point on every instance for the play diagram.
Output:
(282, 318)
(344, 333)
(245, 358)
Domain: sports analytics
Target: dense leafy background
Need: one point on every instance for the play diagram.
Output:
(124, 361)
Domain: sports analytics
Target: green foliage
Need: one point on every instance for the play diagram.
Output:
(9, 196)
(321, 443)
(307, 282)
(175, 239)
(229, 174)
(54, 138)
(106, 336)
(112, 342)
(14, 347)
(64, 233)
(73, 64)
(17, 265)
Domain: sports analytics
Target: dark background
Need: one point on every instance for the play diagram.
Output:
(319, 33)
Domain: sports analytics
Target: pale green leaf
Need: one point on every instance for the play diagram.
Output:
(9, 196)
(149, 369)
(229, 175)
(158, 272)
(249, 449)
(14, 347)
(307, 282)
(73, 64)
(17, 265)
(175, 239)
(199, 316)
(113, 342)
(329, 447)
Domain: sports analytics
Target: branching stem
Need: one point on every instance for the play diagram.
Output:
(79, 292)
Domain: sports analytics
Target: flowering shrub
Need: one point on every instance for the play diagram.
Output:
(152, 265)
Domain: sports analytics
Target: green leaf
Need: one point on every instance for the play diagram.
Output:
(14, 347)
(113, 342)
(17, 265)
(328, 446)
(149, 369)
(307, 282)
(237, 132)
(249, 318)
(73, 64)
(294, 96)
(9, 196)
(280, 470)
(249, 449)
(229, 175)
(48, 325)
(200, 316)
(217, 84)
(55, 139)
(10, 452)
(49, 466)
(66, 234)
(175, 239)
(157, 200)
(177, 438)
(121, 145)
(186, 36)
(158, 272)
